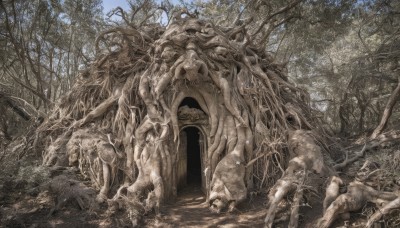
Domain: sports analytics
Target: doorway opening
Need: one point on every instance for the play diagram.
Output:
(189, 165)
(191, 148)
(193, 156)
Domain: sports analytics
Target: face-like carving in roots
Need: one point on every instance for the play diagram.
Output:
(188, 52)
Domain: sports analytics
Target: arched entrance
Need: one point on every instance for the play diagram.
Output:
(190, 157)
(191, 146)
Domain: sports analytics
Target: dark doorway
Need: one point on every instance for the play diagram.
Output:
(191, 149)
(193, 156)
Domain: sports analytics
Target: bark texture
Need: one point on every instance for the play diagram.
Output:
(121, 122)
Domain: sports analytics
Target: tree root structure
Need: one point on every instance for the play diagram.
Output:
(306, 157)
(121, 122)
(357, 195)
(64, 190)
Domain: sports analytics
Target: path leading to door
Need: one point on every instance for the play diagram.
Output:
(190, 210)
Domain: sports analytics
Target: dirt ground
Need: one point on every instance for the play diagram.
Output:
(24, 204)
(24, 209)
(19, 209)
(191, 210)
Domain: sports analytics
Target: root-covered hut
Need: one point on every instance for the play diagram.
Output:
(160, 106)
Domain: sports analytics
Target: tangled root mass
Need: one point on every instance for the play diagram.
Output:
(120, 123)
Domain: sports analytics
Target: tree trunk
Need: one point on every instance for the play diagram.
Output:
(387, 112)
(342, 109)
(18, 110)
(363, 108)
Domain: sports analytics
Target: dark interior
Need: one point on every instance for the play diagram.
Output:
(193, 156)
(193, 147)
(192, 103)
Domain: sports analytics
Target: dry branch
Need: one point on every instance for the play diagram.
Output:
(370, 144)
(358, 194)
(394, 97)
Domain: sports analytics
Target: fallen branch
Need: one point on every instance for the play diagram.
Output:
(357, 195)
(383, 211)
(370, 144)
(348, 161)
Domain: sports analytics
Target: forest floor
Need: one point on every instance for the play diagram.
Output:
(191, 210)
(21, 207)
(24, 204)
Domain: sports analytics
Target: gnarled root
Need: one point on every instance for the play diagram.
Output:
(65, 189)
(332, 191)
(153, 197)
(102, 196)
(132, 206)
(306, 157)
(344, 203)
(354, 199)
(383, 211)
(228, 181)
(149, 178)
(276, 194)
(227, 185)
(96, 158)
